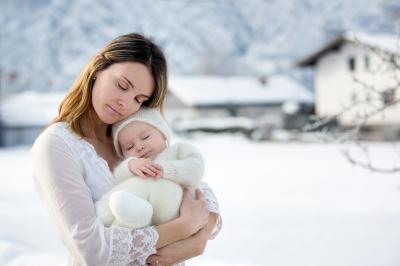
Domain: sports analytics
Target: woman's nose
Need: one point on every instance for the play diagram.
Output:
(121, 103)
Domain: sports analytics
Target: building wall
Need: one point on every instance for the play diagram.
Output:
(336, 90)
(13, 136)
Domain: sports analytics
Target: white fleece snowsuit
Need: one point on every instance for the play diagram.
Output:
(136, 202)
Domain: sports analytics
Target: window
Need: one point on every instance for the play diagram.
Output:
(388, 96)
(368, 97)
(353, 97)
(366, 62)
(352, 63)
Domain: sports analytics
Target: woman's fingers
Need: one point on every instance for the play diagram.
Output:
(186, 194)
(199, 194)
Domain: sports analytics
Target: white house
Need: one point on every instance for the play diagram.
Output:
(24, 115)
(352, 73)
(194, 98)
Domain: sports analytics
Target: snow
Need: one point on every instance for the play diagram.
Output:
(216, 123)
(282, 204)
(33, 108)
(55, 39)
(30, 108)
(386, 42)
(211, 90)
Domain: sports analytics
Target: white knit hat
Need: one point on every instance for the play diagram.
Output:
(151, 116)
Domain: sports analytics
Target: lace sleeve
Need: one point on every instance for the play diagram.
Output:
(131, 247)
(213, 206)
(62, 187)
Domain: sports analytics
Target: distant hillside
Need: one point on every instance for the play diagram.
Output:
(44, 43)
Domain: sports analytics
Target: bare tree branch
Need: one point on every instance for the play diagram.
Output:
(363, 110)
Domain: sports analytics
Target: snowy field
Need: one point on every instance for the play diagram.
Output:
(283, 204)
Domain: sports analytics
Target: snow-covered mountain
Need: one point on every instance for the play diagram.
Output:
(45, 43)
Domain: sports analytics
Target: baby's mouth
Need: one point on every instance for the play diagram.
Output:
(146, 155)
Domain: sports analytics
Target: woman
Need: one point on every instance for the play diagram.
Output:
(72, 159)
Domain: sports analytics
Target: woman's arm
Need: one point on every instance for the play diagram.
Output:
(60, 182)
(195, 244)
(185, 249)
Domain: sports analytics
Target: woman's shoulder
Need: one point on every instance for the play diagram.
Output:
(57, 134)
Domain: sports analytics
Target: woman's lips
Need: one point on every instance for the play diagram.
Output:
(114, 111)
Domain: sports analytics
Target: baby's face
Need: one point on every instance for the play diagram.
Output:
(141, 140)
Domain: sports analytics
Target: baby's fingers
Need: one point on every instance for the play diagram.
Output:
(147, 169)
(140, 174)
(154, 169)
(157, 166)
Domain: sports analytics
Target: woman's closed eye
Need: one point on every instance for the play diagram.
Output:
(140, 100)
(146, 137)
(122, 86)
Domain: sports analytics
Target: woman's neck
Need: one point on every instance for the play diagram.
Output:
(97, 130)
(97, 136)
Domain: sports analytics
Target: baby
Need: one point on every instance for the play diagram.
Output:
(152, 175)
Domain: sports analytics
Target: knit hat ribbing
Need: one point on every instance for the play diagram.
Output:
(151, 116)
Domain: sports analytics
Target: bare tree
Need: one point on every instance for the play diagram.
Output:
(373, 102)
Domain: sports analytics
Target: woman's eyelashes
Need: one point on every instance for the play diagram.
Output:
(122, 86)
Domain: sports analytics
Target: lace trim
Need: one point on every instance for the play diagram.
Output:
(120, 245)
(131, 247)
(212, 202)
(85, 148)
(144, 243)
(213, 206)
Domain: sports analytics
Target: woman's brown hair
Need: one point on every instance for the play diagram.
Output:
(76, 108)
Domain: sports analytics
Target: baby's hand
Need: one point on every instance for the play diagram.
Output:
(145, 168)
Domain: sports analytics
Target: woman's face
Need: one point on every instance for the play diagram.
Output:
(120, 90)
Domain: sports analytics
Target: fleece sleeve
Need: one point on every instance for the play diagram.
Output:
(186, 167)
(122, 172)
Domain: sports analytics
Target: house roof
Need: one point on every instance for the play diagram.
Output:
(237, 90)
(387, 42)
(30, 108)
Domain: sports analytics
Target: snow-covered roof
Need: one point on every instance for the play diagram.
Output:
(237, 90)
(386, 42)
(39, 108)
(30, 108)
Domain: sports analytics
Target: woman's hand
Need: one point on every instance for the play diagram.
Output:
(184, 249)
(193, 216)
(194, 211)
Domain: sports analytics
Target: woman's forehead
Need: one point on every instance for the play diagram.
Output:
(136, 74)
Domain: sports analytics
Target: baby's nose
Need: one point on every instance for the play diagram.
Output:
(140, 147)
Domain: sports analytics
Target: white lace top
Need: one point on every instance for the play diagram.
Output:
(70, 177)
